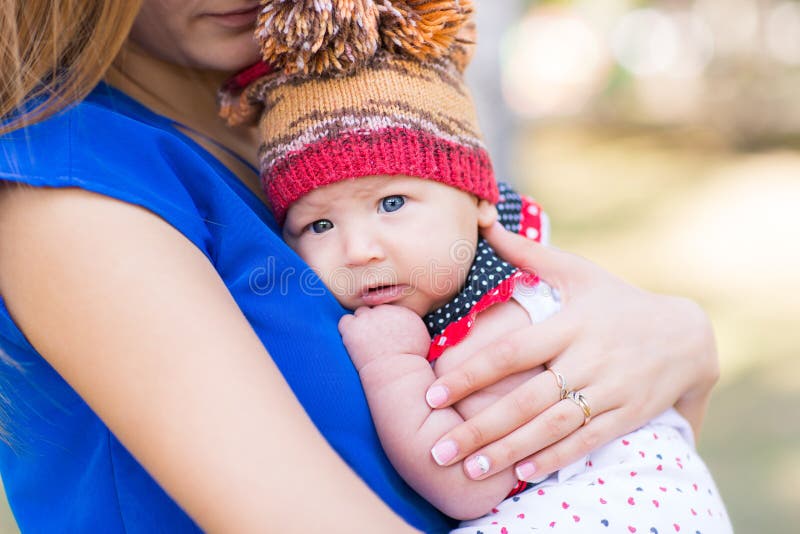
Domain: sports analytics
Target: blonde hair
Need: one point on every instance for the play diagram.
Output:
(53, 52)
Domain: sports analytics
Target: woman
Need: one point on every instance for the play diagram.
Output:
(151, 320)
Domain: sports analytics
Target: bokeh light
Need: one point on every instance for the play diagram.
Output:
(783, 33)
(663, 137)
(734, 23)
(553, 64)
(645, 42)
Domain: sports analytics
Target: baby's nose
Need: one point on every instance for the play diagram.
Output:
(363, 248)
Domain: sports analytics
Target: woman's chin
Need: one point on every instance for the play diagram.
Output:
(232, 56)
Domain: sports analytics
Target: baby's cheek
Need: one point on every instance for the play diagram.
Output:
(445, 284)
(337, 280)
(335, 285)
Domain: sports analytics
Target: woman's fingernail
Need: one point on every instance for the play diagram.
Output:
(477, 466)
(526, 471)
(436, 396)
(444, 451)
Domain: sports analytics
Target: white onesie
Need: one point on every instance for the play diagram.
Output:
(650, 481)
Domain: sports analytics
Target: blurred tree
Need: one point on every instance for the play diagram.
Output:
(483, 76)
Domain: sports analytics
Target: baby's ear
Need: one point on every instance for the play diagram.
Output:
(487, 213)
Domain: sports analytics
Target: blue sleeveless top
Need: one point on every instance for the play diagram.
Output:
(62, 468)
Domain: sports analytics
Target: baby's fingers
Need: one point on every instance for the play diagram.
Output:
(345, 321)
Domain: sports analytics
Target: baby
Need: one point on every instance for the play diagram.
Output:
(372, 162)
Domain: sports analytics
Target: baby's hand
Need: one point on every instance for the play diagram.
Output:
(372, 333)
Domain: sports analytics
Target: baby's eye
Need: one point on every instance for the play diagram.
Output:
(320, 226)
(392, 203)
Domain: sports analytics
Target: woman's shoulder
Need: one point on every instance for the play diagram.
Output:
(107, 136)
(92, 133)
(110, 145)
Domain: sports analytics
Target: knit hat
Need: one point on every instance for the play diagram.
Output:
(359, 88)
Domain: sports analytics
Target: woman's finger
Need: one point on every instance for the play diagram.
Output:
(499, 419)
(550, 427)
(553, 265)
(519, 351)
(599, 431)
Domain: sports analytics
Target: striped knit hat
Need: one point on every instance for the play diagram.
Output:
(360, 88)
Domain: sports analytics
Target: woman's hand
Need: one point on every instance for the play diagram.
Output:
(631, 353)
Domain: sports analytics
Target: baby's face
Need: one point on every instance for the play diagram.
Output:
(388, 239)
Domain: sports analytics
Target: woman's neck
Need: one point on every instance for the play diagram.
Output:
(189, 97)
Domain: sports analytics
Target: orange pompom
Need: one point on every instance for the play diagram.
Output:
(423, 29)
(464, 47)
(318, 36)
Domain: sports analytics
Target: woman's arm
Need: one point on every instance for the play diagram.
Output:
(632, 353)
(136, 319)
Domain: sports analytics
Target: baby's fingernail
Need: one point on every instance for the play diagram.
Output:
(436, 396)
(444, 451)
(526, 471)
(477, 466)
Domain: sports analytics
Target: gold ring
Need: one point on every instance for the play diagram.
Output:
(562, 384)
(582, 403)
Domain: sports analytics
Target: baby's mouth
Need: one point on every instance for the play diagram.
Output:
(384, 294)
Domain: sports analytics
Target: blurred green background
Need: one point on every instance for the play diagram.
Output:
(662, 138)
